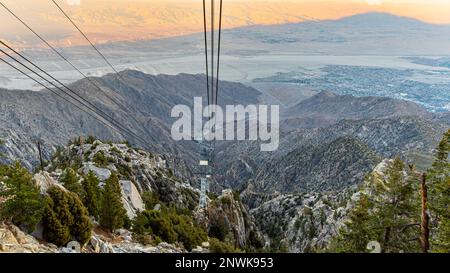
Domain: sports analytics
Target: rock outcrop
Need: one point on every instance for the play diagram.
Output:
(13, 240)
(45, 180)
(131, 198)
(123, 243)
(227, 215)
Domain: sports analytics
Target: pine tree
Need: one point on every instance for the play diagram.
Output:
(442, 237)
(70, 181)
(388, 214)
(359, 230)
(55, 230)
(57, 217)
(112, 211)
(24, 205)
(91, 194)
(81, 227)
(439, 177)
(397, 209)
(65, 218)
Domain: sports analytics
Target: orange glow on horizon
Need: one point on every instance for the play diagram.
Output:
(114, 20)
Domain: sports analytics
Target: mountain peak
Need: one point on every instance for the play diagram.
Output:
(380, 19)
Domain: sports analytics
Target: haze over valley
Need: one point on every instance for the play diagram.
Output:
(299, 59)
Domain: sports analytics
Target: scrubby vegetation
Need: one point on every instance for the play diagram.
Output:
(219, 227)
(167, 224)
(217, 246)
(71, 181)
(100, 159)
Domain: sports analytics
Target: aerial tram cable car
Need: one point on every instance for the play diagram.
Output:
(207, 148)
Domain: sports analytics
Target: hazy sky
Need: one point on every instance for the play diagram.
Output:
(111, 20)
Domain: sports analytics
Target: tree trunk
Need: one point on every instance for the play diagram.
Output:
(387, 237)
(424, 229)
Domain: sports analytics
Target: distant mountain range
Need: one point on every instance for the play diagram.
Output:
(327, 141)
(257, 51)
(119, 20)
(363, 34)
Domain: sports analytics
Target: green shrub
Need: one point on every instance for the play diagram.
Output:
(218, 227)
(24, 205)
(216, 246)
(226, 200)
(124, 170)
(100, 159)
(212, 196)
(150, 200)
(236, 196)
(187, 233)
(153, 222)
(170, 227)
(70, 181)
(127, 222)
(86, 155)
(65, 218)
(115, 151)
(90, 139)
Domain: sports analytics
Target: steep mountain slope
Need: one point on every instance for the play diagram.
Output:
(154, 96)
(327, 166)
(27, 116)
(147, 102)
(301, 223)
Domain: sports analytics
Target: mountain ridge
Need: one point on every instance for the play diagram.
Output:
(328, 108)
